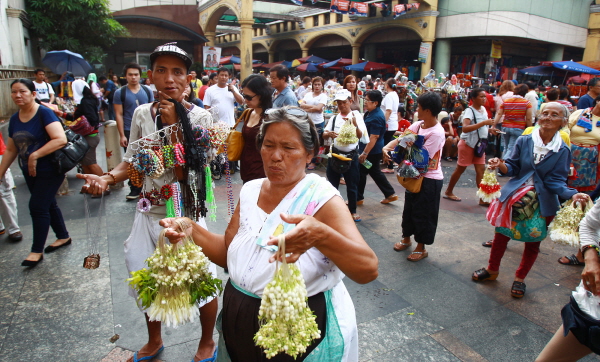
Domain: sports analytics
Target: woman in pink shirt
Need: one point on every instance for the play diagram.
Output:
(420, 215)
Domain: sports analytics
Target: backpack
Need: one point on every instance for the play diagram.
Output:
(124, 92)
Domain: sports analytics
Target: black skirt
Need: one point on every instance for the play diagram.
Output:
(584, 328)
(240, 324)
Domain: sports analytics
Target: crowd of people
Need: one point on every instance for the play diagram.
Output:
(530, 134)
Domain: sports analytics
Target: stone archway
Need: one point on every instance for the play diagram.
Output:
(285, 49)
(260, 52)
(330, 46)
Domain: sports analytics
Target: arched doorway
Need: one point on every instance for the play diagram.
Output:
(225, 52)
(260, 52)
(286, 49)
(331, 47)
(391, 45)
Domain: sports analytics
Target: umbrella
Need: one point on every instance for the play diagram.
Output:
(574, 67)
(368, 66)
(271, 65)
(287, 64)
(296, 63)
(225, 60)
(538, 70)
(307, 67)
(337, 62)
(313, 59)
(60, 61)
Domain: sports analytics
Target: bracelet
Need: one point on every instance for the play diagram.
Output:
(113, 177)
(586, 247)
(364, 153)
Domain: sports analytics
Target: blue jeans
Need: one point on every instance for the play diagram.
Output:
(44, 209)
(510, 138)
(352, 177)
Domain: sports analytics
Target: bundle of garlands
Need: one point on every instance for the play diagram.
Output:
(177, 278)
(287, 323)
(489, 188)
(347, 134)
(564, 229)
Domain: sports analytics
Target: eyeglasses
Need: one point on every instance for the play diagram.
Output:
(247, 97)
(553, 117)
(294, 111)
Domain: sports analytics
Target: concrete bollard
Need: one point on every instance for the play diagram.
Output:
(113, 148)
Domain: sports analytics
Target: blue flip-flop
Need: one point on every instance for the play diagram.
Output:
(211, 359)
(148, 358)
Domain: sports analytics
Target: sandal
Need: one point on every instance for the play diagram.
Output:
(518, 289)
(572, 260)
(487, 244)
(356, 217)
(420, 255)
(482, 274)
(449, 159)
(452, 197)
(401, 246)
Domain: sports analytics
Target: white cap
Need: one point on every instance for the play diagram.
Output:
(342, 95)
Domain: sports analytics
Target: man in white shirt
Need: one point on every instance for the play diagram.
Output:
(532, 97)
(44, 91)
(222, 96)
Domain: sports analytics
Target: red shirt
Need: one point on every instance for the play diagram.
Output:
(202, 91)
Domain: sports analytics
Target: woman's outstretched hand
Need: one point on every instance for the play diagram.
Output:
(177, 228)
(307, 234)
(94, 184)
(581, 198)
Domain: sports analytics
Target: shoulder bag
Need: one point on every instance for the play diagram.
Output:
(481, 144)
(71, 154)
(235, 139)
(412, 185)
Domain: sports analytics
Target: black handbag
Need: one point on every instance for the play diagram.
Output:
(481, 145)
(66, 158)
(341, 166)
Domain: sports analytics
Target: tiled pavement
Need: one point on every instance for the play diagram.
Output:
(425, 311)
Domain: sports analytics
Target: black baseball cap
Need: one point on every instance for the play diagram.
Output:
(171, 49)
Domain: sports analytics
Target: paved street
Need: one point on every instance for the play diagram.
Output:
(425, 311)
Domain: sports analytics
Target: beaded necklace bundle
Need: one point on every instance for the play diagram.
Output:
(184, 145)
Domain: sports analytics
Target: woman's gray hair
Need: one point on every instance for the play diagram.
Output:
(299, 119)
(566, 112)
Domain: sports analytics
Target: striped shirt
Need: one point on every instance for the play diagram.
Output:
(515, 111)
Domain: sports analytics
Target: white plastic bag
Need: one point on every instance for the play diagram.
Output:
(587, 302)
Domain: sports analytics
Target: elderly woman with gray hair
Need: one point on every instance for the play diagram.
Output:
(538, 167)
(320, 237)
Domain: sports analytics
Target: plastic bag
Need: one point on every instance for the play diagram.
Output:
(587, 302)
(408, 170)
(347, 134)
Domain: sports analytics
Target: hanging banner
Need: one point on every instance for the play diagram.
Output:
(340, 6)
(415, 6)
(382, 6)
(359, 9)
(399, 10)
(211, 56)
(496, 50)
(298, 2)
(424, 50)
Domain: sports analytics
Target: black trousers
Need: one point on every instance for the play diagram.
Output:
(421, 211)
(240, 324)
(375, 172)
